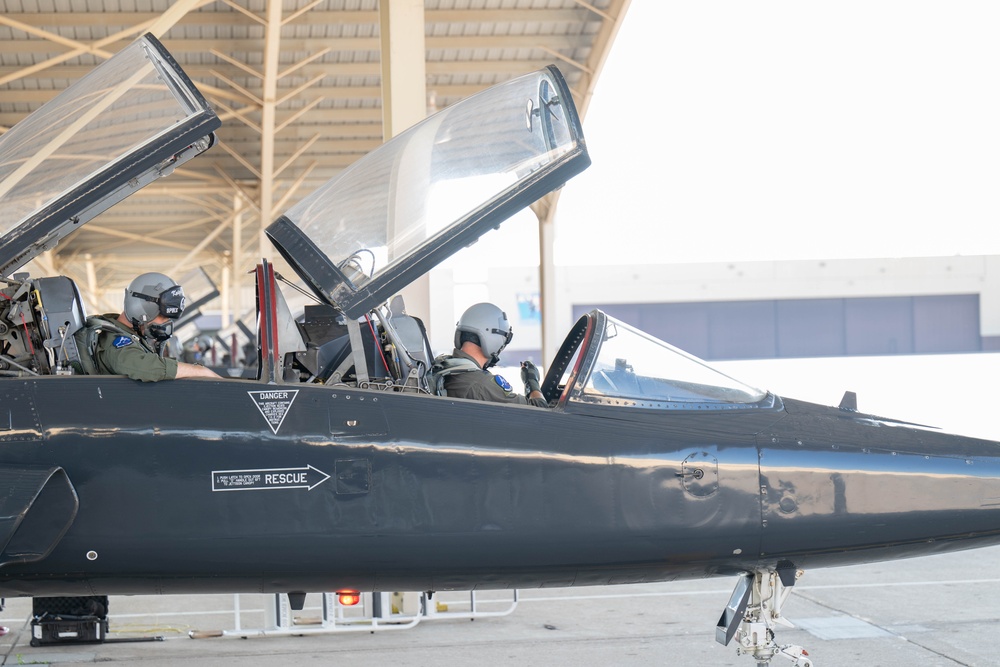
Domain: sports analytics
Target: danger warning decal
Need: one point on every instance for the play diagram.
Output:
(274, 405)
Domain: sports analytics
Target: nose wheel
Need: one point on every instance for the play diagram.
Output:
(752, 614)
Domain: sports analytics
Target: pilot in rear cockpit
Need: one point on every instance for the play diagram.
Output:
(480, 336)
(128, 343)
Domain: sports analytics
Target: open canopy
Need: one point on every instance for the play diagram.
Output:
(128, 122)
(437, 187)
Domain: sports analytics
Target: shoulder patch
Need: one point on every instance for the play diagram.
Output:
(122, 341)
(502, 382)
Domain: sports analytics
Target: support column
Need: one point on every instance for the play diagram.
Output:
(553, 327)
(404, 72)
(98, 297)
(404, 96)
(272, 49)
(227, 296)
(235, 302)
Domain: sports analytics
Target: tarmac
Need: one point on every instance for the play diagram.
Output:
(937, 611)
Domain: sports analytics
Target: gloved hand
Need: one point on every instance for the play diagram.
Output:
(531, 378)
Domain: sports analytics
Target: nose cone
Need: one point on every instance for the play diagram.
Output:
(838, 487)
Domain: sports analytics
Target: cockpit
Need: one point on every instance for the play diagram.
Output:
(352, 244)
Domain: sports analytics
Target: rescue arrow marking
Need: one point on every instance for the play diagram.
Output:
(268, 479)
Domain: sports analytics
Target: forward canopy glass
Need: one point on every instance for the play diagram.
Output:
(404, 208)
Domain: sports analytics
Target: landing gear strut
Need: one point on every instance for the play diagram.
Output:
(753, 611)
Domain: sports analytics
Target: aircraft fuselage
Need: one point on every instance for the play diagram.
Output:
(237, 486)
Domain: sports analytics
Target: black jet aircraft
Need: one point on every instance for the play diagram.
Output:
(335, 467)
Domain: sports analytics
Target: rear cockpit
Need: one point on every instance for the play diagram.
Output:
(44, 330)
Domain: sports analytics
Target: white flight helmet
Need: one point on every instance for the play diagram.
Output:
(489, 325)
(151, 295)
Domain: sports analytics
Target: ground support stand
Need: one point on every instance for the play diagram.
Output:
(376, 612)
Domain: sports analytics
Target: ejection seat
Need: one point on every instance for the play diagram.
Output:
(408, 337)
(62, 322)
(390, 350)
(333, 348)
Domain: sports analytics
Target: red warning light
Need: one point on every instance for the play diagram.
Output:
(348, 598)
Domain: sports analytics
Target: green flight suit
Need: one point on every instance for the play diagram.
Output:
(121, 351)
(481, 385)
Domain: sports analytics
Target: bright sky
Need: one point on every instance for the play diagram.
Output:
(726, 130)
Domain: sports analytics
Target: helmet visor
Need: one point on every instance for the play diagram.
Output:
(170, 301)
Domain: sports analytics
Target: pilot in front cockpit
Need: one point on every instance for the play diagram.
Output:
(128, 343)
(480, 336)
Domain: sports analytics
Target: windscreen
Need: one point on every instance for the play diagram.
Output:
(634, 368)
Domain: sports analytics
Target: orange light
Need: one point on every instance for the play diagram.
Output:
(348, 598)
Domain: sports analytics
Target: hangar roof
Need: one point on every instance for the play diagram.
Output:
(322, 58)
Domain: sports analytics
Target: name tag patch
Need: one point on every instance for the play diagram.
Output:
(122, 341)
(503, 383)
